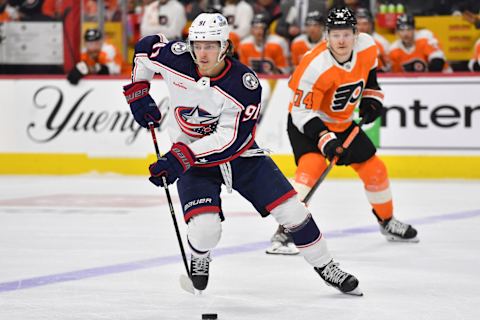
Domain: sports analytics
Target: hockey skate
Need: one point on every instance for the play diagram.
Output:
(199, 267)
(339, 279)
(397, 231)
(282, 243)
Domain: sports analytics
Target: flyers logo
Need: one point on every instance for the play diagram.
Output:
(347, 94)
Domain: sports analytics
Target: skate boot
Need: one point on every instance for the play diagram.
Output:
(282, 243)
(339, 279)
(199, 266)
(398, 231)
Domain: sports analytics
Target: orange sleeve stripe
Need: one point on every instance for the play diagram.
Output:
(376, 94)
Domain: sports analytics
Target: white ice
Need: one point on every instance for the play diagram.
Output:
(104, 247)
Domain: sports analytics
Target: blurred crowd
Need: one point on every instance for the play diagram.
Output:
(270, 36)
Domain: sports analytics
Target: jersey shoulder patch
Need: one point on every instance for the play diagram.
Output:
(250, 81)
(179, 47)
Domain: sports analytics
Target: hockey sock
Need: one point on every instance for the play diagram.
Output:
(310, 168)
(309, 240)
(377, 186)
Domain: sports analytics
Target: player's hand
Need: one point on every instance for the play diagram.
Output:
(370, 109)
(142, 105)
(173, 164)
(330, 146)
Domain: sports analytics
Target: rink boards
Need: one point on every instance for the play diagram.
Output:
(431, 128)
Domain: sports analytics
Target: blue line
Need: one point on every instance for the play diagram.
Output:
(161, 261)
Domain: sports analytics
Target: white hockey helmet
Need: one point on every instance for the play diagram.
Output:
(209, 27)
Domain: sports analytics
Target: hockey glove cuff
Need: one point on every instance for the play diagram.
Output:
(330, 146)
(173, 164)
(142, 105)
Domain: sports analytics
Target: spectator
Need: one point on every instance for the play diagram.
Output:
(366, 24)
(352, 4)
(263, 52)
(294, 13)
(472, 18)
(239, 14)
(164, 16)
(30, 10)
(474, 63)
(97, 57)
(269, 7)
(415, 51)
(314, 34)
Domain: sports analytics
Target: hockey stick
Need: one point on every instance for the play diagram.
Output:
(185, 282)
(332, 163)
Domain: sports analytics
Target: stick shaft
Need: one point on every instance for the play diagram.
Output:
(169, 200)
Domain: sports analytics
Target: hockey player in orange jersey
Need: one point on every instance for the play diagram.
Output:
(415, 51)
(329, 83)
(313, 35)
(474, 63)
(366, 24)
(263, 52)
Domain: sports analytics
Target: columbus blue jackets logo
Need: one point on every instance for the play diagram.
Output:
(179, 47)
(347, 94)
(196, 122)
(250, 81)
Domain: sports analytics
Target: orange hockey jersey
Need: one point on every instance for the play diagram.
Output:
(272, 59)
(300, 45)
(323, 88)
(108, 56)
(416, 58)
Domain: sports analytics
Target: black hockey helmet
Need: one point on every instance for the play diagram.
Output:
(405, 21)
(314, 17)
(341, 18)
(364, 14)
(92, 35)
(261, 18)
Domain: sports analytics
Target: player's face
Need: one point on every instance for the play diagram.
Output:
(94, 48)
(207, 55)
(407, 36)
(341, 41)
(364, 25)
(314, 31)
(258, 32)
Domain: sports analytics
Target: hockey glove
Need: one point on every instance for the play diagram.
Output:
(370, 109)
(173, 164)
(142, 105)
(330, 146)
(78, 72)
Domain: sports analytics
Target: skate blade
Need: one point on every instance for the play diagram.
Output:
(355, 292)
(186, 284)
(279, 249)
(397, 239)
(287, 252)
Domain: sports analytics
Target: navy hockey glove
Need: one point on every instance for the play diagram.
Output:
(173, 164)
(142, 105)
(370, 109)
(330, 146)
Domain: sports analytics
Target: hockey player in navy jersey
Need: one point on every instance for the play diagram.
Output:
(214, 107)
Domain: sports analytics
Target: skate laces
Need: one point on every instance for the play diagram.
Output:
(333, 273)
(396, 227)
(200, 265)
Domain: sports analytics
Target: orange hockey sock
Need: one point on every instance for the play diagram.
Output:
(377, 187)
(310, 168)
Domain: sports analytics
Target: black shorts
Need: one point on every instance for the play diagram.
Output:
(360, 150)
